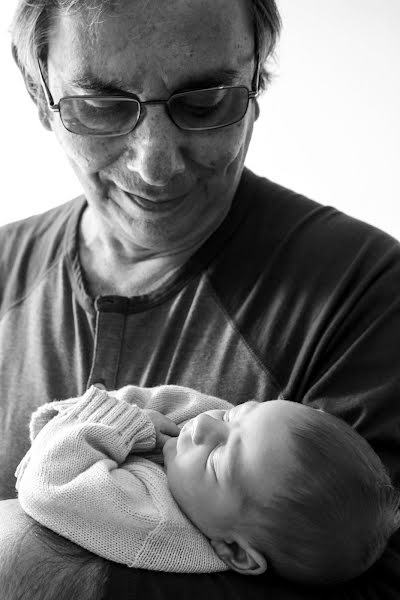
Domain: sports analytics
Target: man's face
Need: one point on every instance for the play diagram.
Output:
(221, 457)
(153, 49)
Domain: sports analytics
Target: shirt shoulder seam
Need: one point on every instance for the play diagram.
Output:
(32, 288)
(263, 366)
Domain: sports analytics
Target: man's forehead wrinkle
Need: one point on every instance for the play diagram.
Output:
(151, 50)
(77, 39)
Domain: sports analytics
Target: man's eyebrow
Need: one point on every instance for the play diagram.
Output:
(211, 78)
(92, 83)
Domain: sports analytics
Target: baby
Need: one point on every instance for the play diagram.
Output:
(275, 485)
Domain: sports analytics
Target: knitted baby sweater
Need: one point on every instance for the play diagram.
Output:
(84, 478)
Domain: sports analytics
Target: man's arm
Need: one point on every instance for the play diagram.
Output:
(379, 583)
(37, 564)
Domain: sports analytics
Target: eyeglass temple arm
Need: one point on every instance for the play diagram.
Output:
(256, 79)
(49, 97)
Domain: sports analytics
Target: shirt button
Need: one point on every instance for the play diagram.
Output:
(100, 386)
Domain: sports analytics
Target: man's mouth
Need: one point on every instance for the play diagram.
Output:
(159, 205)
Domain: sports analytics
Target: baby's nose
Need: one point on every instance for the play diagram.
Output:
(208, 429)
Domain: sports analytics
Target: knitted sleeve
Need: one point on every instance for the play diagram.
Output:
(81, 479)
(73, 479)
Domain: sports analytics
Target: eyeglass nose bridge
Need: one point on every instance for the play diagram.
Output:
(145, 103)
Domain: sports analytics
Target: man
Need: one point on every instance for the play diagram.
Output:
(179, 266)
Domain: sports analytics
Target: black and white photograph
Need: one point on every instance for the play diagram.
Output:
(200, 300)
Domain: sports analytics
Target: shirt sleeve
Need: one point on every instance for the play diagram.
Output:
(351, 368)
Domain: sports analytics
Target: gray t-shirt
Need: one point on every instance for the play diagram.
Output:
(286, 299)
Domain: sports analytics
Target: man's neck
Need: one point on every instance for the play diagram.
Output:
(109, 271)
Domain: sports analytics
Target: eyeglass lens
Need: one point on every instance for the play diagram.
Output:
(194, 110)
(99, 116)
(204, 109)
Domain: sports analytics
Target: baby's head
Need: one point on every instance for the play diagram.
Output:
(283, 484)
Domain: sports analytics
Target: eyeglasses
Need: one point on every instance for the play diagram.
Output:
(115, 115)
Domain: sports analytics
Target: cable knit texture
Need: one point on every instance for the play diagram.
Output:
(88, 477)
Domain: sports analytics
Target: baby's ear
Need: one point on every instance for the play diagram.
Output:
(240, 557)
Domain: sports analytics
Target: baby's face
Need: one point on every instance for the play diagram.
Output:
(221, 454)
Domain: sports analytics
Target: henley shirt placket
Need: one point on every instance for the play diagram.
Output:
(111, 314)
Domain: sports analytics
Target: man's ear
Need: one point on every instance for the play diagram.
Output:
(43, 114)
(34, 91)
(256, 109)
(240, 557)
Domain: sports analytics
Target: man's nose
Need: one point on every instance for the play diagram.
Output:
(206, 429)
(155, 148)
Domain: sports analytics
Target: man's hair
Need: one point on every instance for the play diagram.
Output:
(33, 21)
(336, 507)
(41, 565)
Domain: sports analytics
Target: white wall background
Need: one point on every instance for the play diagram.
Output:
(329, 125)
